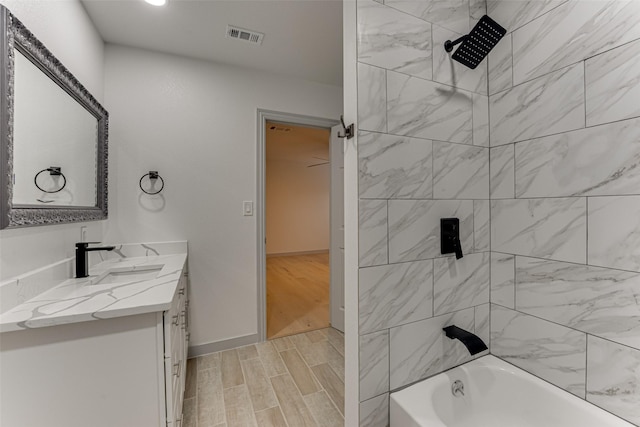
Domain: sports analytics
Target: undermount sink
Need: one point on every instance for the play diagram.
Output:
(122, 275)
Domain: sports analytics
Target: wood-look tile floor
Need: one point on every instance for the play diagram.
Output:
(293, 381)
(297, 294)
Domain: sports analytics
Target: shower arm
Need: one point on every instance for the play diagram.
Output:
(448, 45)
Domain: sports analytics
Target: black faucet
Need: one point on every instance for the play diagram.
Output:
(82, 259)
(473, 343)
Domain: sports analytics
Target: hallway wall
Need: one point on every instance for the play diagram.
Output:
(196, 123)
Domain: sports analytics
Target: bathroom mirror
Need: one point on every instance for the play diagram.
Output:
(53, 157)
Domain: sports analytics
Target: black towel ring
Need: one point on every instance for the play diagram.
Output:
(153, 175)
(53, 171)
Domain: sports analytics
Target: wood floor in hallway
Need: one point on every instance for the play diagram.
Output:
(293, 381)
(297, 294)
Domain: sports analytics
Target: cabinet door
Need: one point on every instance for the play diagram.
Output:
(176, 353)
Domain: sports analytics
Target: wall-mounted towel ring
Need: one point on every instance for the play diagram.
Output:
(153, 175)
(53, 171)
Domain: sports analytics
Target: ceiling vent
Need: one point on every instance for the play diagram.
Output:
(241, 34)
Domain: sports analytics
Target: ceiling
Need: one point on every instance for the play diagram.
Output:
(305, 145)
(303, 38)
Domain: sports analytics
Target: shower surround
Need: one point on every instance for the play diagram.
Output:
(565, 197)
(423, 154)
(536, 151)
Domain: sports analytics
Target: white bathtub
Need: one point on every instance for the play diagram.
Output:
(496, 394)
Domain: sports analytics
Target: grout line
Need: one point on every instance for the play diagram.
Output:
(536, 138)
(571, 196)
(568, 327)
(569, 262)
(424, 259)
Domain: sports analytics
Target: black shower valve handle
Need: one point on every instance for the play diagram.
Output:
(458, 248)
(450, 237)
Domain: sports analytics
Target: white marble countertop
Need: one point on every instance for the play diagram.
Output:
(81, 300)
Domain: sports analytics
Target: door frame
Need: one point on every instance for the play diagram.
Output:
(285, 118)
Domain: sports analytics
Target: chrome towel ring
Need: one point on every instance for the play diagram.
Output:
(153, 175)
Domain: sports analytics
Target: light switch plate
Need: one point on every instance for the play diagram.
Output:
(247, 208)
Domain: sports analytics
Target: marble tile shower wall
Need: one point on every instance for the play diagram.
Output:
(423, 150)
(564, 86)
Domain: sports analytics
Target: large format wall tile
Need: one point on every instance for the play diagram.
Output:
(414, 227)
(372, 98)
(459, 284)
(426, 109)
(477, 9)
(373, 245)
(460, 171)
(525, 111)
(392, 295)
(374, 364)
(393, 40)
(613, 85)
(503, 279)
(596, 300)
(614, 232)
(481, 225)
(545, 228)
(483, 324)
(500, 63)
(514, 14)
(451, 14)
(612, 378)
(603, 160)
(502, 172)
(375, 412)
(572, 32)
(392, 166)
(547, 350)
(480, 120)
(421, 349)
(450, 72)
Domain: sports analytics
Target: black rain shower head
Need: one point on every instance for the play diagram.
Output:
(478, 43)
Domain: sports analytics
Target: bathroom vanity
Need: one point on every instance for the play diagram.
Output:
(106, 350)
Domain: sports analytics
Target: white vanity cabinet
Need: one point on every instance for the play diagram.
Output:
(120, 371)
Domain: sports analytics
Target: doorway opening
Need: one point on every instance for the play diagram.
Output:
(297, 200)
(301, 252)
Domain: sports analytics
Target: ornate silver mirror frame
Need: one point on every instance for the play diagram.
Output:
(14, 35)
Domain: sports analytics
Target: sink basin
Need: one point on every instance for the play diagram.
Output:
(123, 275)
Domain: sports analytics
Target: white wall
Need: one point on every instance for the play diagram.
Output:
(195, 122)
(297, 206)
(64, 27)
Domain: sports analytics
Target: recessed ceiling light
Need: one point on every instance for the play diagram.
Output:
(157, 2)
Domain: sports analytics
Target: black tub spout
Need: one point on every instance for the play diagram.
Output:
(473, 343)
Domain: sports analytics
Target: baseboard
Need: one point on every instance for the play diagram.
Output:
(319, 251)
(213, 347)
